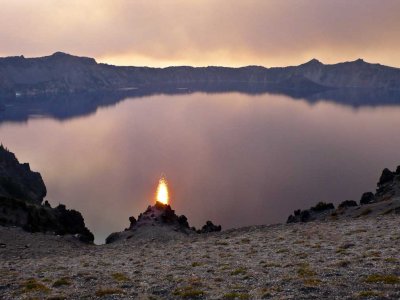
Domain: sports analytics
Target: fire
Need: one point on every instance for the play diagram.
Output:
(162, 190)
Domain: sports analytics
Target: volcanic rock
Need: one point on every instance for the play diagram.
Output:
(367, 198)
(386, 176)
(209, 227)
(159, 222)
(316, 212)
(21, 197)
(385, 201)
(18, 181)
(347, 203)
(322, 206)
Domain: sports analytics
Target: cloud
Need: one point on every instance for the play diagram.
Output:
(224, 32)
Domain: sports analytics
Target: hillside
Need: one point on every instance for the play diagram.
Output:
(349, 259)
(61, 72)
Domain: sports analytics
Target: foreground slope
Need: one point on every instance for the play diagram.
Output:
(349, 259)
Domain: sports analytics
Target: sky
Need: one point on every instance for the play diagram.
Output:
(204, 32)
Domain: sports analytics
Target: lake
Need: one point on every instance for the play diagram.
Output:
(233, 158)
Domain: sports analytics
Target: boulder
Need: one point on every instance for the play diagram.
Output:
(113, 237)
(322, 206)
(305, 216)
(387, 176)
(132, 222)
(367, 198)
(398, 170)
(348, 203)
(209, 227)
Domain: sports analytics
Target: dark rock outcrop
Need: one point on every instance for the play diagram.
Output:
(347, 203)
(209, 227)
(386, 200)
(386, 177)
(18, 181)
(21, 197)
(367, 198)
(322, 206)
(316, 212)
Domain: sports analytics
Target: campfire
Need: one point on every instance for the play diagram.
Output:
(160, 220)
(162, 191)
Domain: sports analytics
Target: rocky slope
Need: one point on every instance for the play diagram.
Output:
(21, 195)
(61, 72)
(346, 259)
(386, 200)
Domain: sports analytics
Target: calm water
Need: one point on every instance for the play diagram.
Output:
(233, 158)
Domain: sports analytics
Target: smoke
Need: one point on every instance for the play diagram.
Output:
(206, 32)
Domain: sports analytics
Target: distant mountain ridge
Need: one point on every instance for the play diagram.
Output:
(61, 72)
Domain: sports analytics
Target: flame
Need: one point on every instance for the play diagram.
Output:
(162, 190)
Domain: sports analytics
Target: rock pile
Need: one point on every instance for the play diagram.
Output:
(159, 221)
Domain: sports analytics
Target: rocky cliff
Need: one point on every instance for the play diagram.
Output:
(18, 181)
(21, 196)
(61, 72)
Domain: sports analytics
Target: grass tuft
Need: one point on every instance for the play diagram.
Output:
(239, 271)
(188, 293)
(108, 291)
(61, 282)
(120, 277)
(236, 295)
(379, 278)
(32, 285)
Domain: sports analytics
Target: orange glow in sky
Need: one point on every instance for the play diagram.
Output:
(202, 33)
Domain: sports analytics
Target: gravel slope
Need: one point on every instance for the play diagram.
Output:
(345, 259)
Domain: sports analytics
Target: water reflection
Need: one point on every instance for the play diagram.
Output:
(233, 158)
(68, 106)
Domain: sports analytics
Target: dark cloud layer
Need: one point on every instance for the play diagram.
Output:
(223, 32)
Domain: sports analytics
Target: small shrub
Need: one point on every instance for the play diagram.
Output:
(239, 271)
(312, 282)
(282, 251)
(32, 285)
(120, 277)
(188, 293)
(196, 264)
(107, 292)
(368, 294)
(305, 271)
(235, 295)
(57, 297)
(391, 260)
(379, 278)
(61, 282)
